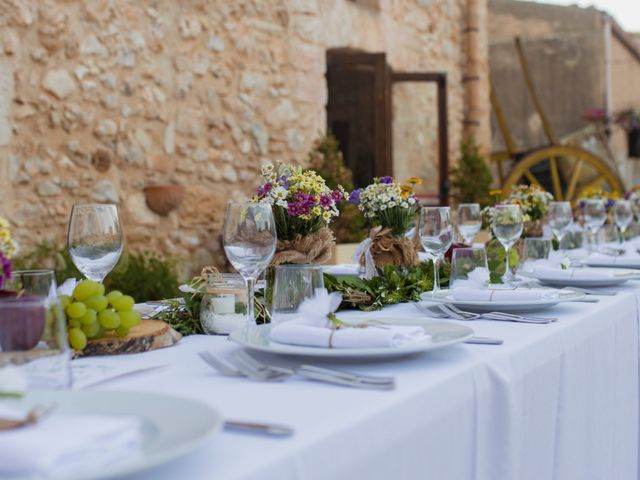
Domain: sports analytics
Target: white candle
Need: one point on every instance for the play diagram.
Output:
(223, 303)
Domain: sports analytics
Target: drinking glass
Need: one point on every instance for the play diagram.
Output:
(609, 234)
(507, 226)
(635, 205)
(249, 243)
(95, 239)
(469, 264)
(293, 284)
(595, 214)
(535, 249)
(469, 221)
(436, 236)
(623, 215)
(33, 337)
(560, 217)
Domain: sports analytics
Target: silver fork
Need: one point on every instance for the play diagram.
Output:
(246, 366)
(252, 365)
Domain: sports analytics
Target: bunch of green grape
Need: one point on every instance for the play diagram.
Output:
(90, 313)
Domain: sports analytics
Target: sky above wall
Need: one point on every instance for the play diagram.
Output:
(626, 12)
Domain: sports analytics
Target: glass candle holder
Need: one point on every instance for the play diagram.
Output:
(224, 304)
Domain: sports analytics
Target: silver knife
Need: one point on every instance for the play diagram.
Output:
(270, 429)
(485, 341)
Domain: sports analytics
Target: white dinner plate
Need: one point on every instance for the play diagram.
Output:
(616, 262)
(618, 277)
(446, 297)
(172, 426)
(443, 334)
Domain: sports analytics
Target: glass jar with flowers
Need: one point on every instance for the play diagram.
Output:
(303, 207)
(390, 209)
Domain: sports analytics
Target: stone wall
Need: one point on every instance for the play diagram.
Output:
(100, 98)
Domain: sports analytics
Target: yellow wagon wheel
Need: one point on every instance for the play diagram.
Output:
(564, 171)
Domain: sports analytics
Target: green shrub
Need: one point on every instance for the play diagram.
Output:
(471, 179)
(326, 159)
(144, 276)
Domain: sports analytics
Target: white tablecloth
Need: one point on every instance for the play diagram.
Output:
(556, 401)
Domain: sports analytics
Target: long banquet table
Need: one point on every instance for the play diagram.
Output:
(555, 401)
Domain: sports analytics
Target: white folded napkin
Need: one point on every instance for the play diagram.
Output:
(572, 254)
(551, 272)
(343, 269)
(371, 336)
(469, 294)
(61, 445)
(623, 261)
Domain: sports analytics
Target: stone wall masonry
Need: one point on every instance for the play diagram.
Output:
(100, 98)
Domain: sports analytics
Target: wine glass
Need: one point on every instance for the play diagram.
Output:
(623, 215)
(507, 226)
(595, 214)
(95, 239)
(436, 236)
(249, 243)
(469, 221)
(560, 217)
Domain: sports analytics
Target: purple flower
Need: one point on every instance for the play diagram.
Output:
(354, 196)
(259, 192)
(5, 269)
(386, 179)
(325, 200)
(305, 209)
(337, 196)
(285, 183)
(267, 187)
(293, 209)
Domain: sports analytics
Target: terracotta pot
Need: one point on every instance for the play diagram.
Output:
(162, 199)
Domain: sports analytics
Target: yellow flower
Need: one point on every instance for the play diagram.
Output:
(414, 181)
(495, 193)
(404, 195)
(405, 188)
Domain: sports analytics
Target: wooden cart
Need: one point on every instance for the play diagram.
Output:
(564, 170)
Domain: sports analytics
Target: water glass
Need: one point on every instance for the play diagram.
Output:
(507, 225)
(469, 221)
(249, 243)
(469, 264)
(623, 216)
(33, 339)
(560, 218)
(595, 214)
(609, 234)
(292, 285)
(535, 249)
(95, 239)
(436, 236)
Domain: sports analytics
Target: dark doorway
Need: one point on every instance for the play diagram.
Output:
(356, 84)
(359, 114)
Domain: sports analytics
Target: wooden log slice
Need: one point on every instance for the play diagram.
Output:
(148, 335)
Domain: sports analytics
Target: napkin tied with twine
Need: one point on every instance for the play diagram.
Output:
(382, 248)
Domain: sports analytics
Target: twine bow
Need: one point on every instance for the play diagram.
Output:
(364, 250)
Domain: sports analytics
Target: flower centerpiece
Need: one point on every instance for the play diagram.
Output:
(7, 249)
(595, 193)
(303, 206)
(390, 209)
(533, 200)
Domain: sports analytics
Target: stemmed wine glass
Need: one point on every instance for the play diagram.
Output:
(469, 221)
(560, 216)
(623, 215)
(95, 239)
(595, 214)
(249, 243)
(436, 236)
(507, 226)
